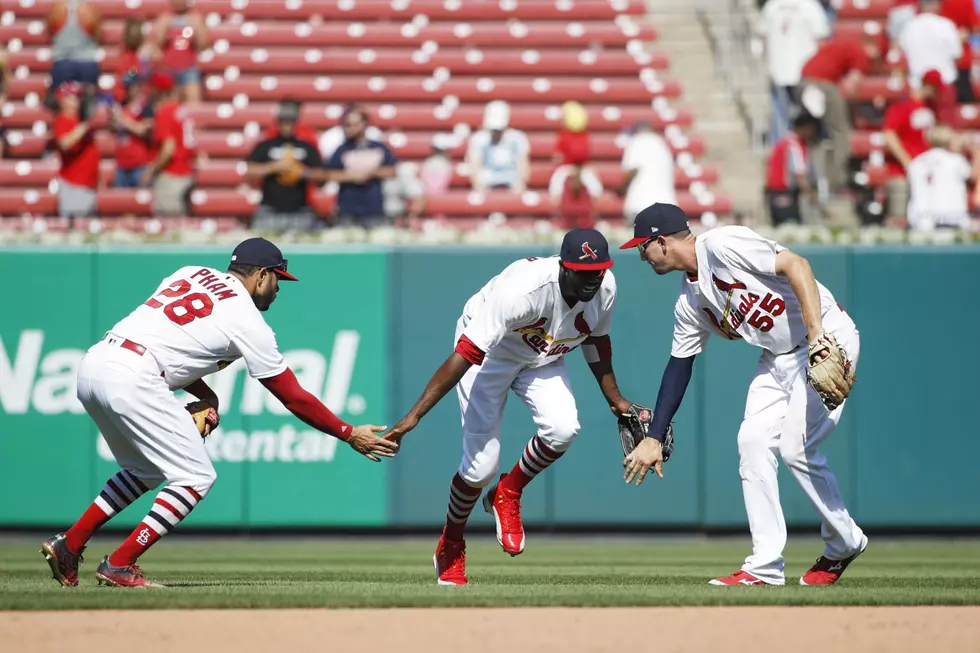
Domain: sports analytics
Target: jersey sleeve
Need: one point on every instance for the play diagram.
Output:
(743, 249)
(499, 314)
(690, 331)
(609, 290)
(260, 154)
(165, 127)
(258, 347)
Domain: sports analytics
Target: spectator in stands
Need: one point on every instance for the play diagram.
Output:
(334, 137)
(938, 181)
(171, 171)
(648, 171)
(573, 139)
(787, 174)
(360, 165)
(404, 194)
(792, 30)
(133, 123)
(75, 30)
(133, 58)
(498, 157)
(74, 139)
(282, 163)
(963, 14)
(573, 190)
(181, 34)
(437, 169)
(899, 16)
(905, 127)
(932, 42)
(839, 63)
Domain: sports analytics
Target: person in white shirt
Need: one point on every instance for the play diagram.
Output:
(793, 30)
(197, 322)
(648, 171)
(497, 156)
(930, 41)
(938, 181)
(513, 335)
(742, 286)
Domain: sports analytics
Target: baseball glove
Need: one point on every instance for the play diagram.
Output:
(294, 173)
(829, 371)
(633, 427)
(205, 417)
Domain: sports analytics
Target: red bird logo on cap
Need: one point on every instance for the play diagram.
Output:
(589, 252)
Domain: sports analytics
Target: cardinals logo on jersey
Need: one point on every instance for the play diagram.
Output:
(538, 338)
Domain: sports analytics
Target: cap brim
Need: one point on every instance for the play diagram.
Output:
(629, 244)
(282, 274)
(605, 265)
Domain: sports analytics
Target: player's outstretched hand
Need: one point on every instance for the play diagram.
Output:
(364, 441)
(403, 426)
(647, 454)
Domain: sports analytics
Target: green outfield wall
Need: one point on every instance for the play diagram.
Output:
(365, 328)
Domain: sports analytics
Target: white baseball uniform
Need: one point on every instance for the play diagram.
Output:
(738, 295)
(522, 322)
(197, 322)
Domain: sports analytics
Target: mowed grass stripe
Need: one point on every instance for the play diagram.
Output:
(397, 572)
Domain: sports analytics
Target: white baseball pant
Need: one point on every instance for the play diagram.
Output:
(784, 414)
(147, 428)
(482, 393)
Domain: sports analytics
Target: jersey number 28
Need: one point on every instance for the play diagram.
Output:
(187, 308)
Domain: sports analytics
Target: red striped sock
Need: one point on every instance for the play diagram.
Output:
(537, 457)
(462, 500)
(172, 504)
(119, 491)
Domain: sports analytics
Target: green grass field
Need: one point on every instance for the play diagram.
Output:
(341, 572)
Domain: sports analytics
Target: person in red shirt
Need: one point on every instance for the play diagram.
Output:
(172, 168)
(133, 122)
(905, 126)
(181, 34)
(74, 138)
(133, 58)
(963, 13)
(838, 65)
(787, 173)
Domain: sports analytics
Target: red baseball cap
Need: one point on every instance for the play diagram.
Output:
(162, 82)
(933, 78)
(68, 88)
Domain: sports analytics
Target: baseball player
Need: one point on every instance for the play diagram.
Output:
(744, 287)
(513, 335)
(197, 322)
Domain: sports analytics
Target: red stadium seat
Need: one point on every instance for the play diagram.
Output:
(427, 116)
(391, 60)
(224, 173)
(364, 9)
(266, 33)
(409, 146)
(864, 9)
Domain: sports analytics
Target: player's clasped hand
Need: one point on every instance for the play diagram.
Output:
(364, 441)
(647, 454)
(403, 426)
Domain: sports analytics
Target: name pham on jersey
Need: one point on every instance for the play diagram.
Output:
(213, 285)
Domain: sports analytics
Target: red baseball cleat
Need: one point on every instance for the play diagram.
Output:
(450, 562)
(129, 576)
(826, 571)
(63, 563)
(505, 506)
(740, 577)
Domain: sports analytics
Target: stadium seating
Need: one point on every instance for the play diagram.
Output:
(420, 67)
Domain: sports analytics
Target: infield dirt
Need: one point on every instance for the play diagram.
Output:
(492, 630)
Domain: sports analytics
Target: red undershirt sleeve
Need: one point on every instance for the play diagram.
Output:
(469, 351)
(286, 388)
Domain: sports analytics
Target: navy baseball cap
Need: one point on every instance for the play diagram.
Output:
(657, 220)
(263, 254)
(585, 249)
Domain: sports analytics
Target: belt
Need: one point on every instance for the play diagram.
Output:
(125, 343)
